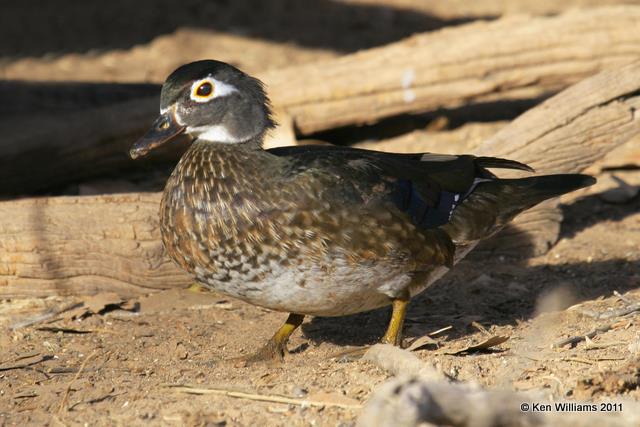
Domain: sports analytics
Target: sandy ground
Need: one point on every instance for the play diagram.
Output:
(116, 366)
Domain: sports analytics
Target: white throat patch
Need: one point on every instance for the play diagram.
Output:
(215, 133)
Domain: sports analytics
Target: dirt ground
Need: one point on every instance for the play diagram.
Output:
(120, 364)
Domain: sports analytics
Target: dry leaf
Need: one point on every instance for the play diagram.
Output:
(485, 345)
(422, 342)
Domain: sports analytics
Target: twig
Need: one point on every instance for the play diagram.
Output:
(21, 357)
(97, 399)
(613, 313)
(186, 388)
(575, 359)
(579, 338)
(68, 389)
(622, 297)
(55, 329)
(45, 316)
(439, 331)
(600, 345)
(25, 365)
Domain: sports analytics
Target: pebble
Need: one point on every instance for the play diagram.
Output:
(298, 391)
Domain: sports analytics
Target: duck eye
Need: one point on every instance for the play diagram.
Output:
(204, 90)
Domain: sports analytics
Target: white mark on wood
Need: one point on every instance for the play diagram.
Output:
(408, 77)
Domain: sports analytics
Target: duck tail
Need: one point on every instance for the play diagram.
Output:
(493, 203)
(524, 193)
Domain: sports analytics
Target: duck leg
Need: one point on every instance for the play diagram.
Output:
(393, 335)
(276, 347)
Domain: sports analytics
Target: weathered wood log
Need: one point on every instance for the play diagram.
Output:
(511, 58)
(462, 9)
(465, 139)
(82, 244)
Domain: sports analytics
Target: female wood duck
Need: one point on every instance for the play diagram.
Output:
(317, 230)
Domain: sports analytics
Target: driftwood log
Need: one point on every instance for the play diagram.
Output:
(508, 59)
(73, 245)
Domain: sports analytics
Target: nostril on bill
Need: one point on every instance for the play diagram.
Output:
(164, 125)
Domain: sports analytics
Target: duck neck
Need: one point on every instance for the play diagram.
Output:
(212, 171)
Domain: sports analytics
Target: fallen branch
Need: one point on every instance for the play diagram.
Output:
(632, 308)
(516, 57)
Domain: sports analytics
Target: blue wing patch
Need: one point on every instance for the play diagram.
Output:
(425, 214)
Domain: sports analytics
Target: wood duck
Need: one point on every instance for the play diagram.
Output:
(318, 230)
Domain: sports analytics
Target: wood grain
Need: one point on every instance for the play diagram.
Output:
(516, 57)
(83, 245)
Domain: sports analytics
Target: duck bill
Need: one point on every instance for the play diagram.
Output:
(164, 129)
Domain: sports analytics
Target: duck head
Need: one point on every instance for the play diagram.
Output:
(212, 101)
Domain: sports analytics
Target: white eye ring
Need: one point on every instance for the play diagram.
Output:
(218, 89)
(203, 85)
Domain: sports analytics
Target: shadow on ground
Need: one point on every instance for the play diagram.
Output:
(59, 27)
(461, 298)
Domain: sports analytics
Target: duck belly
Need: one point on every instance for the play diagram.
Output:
(335, 288)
